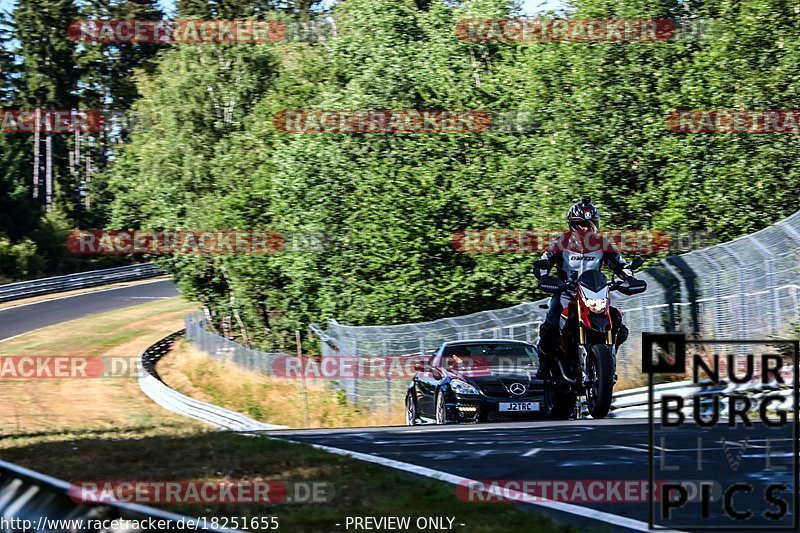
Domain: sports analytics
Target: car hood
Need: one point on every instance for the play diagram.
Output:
(485, 376)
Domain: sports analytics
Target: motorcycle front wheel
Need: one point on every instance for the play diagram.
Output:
(601, 381)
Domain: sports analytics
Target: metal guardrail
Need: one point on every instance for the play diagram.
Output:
(32, 501)
(92, 278)
(634, 403)
(152, 385)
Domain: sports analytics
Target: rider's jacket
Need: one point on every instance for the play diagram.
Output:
(573, 253)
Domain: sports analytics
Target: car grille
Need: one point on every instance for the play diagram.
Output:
(499, 390)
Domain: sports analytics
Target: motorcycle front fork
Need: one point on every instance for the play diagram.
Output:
(583, 354)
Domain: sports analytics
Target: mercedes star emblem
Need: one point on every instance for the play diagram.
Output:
(517, 389)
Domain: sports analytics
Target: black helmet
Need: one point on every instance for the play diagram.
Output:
(584, 216)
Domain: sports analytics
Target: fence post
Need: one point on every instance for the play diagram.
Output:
(744, 322)
(684, 294)
(357, 379)
(717, 296)
(793, 234)
(769, 266)
(388, 381)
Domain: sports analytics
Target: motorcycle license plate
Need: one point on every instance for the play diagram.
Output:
(519, 407)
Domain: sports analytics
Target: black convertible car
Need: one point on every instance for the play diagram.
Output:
(476, 381)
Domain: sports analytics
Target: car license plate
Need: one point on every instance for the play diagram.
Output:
(519, 407)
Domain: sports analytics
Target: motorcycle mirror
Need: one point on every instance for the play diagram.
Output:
(636, 263)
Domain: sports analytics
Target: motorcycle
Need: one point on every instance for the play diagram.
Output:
(585, 361)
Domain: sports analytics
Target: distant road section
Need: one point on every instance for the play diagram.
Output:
(22, 318)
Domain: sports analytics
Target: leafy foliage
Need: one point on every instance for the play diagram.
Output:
(210, 157)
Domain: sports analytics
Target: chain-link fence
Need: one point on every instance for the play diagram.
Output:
(198, 331)
(746, 288)
(374, 382)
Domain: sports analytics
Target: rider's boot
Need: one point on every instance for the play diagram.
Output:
(548, 340)
(544, 366)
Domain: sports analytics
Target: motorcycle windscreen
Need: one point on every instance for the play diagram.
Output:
(589, 294)
(593, 281)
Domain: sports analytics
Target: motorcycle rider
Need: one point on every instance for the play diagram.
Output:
(574, 252)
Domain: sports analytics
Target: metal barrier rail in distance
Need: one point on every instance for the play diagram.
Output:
(158, 391)
(81, 280)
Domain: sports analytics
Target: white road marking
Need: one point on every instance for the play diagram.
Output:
(503, 492)
(23, 333)
(631, 448)
(531, 452)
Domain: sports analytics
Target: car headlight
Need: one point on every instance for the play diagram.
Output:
(596, 305)
(462, 387)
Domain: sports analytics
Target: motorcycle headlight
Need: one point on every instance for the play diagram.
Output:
(597, 305)
(462, 387)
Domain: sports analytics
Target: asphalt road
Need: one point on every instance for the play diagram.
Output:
(610, 451)
(20, 319)
(591, 450)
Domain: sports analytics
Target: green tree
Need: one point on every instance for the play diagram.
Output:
(49, 80)
(388, 205)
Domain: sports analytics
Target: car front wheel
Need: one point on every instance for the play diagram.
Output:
(441, 409)
(411, 411)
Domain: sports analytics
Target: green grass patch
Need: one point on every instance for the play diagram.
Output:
(361, 489)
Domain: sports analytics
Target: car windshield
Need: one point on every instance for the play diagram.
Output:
(490, 356)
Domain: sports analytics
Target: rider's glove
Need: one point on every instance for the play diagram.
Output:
(627, 272)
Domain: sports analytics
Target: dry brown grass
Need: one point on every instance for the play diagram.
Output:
(267, 399)
(47, 405)
(627, 381)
